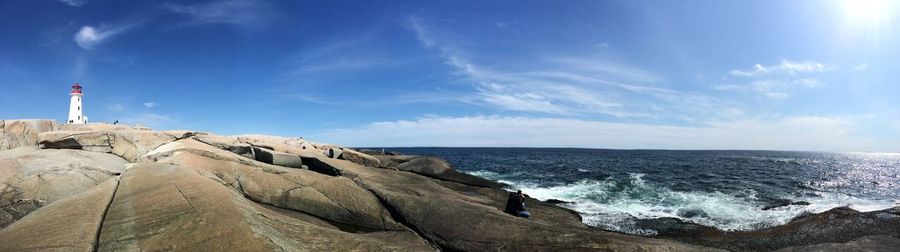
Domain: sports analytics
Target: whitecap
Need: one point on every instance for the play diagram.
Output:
(484, 174)
(609, 203)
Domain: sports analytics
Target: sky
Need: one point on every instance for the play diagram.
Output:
(759, 75)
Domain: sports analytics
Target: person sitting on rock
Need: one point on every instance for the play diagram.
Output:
(515, 204)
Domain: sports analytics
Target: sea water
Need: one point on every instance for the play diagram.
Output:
(728, 190)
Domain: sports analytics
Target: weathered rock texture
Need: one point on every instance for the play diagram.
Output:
(15, 133)
(836, 226)
(128, 144)
(194, 191)
(70, 224)
(884, 243)
(166, 207)
(31, 178)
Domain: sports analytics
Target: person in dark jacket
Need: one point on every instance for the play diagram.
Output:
(515, 204)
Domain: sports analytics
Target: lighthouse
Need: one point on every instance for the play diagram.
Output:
(76, 112)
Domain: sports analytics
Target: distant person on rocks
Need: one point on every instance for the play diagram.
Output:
(515, 204)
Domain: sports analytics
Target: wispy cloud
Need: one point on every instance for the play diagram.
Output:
(777, 82)
(342, 64)
(830, 133)
(860, 67)
(508, 91)
(150, 104)
(559, 84)
(89, 37)
(242, 13)
(74, 3)
(786, 67)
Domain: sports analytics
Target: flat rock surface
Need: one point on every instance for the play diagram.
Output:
(31, 177)
(70, 224)
(167, 207)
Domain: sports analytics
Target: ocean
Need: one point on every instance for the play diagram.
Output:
(728, 190)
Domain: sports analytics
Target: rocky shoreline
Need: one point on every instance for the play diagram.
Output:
(114, 187)
(876, 230)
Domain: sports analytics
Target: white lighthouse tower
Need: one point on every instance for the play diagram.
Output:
(76, 112)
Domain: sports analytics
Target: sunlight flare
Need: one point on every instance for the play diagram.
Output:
(867, 12)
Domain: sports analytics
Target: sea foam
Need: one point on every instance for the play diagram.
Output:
(615, 204)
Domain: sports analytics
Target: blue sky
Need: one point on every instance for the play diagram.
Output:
(776, 75)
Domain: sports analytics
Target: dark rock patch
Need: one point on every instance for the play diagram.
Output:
(67, 143)
(16, 210)
(277, 158)
(783, 203)
(838, 225)
(557, 202)
(316, 165)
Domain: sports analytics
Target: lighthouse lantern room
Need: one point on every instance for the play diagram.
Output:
(76, 112)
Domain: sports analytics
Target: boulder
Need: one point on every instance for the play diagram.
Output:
(360, 158)
(281, 144)
(227, 143)
(784, 202)
(16, 133)
(31, 177)
(336, 199)
(192, 145)
(128, 144)
(70, 224)
(277, 158)
(440, 169)
(557, 202)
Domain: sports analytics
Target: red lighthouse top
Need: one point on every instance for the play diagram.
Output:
(76, 89)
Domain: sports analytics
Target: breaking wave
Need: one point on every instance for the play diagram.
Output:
(615, 204)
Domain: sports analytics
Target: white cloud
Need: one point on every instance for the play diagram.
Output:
(150, 104)
(860, 67)
(771, 89)
(786, 67)
(89, 37)
(242, 13)
(777, 82)
(825, 133)
(562, 85)
(75, 3)
(422, 34)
